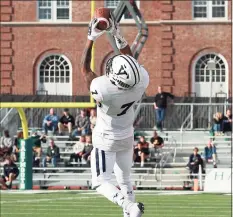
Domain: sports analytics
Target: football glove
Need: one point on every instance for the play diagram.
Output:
(114, 30)
(93, 32)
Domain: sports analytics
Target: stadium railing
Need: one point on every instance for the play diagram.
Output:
(200, 115)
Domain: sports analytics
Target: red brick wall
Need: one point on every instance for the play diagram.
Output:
(189, 41)
(167, 54)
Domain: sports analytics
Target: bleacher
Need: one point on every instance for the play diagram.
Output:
(167, 171)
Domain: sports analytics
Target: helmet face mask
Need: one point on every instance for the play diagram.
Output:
(123, 71)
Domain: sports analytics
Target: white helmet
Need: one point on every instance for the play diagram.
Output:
(123, 71)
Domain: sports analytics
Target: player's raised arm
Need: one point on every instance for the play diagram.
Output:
(121, 43)
(93, 34)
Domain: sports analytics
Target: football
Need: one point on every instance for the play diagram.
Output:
(103, 15)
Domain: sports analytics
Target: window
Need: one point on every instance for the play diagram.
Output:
(209, 9)
(54, 10)
(54, 69)
(203, 73)
(112, 4)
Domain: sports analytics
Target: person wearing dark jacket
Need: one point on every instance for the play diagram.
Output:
(160, 105)
(227, 121)
(194, 161)
(10, 173)
(53, 154)
(66, 122)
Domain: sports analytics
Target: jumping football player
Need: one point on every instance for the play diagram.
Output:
(116, 92)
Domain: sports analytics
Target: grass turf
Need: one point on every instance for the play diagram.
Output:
(75, 204)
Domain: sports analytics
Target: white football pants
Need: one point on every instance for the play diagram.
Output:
(112, 155)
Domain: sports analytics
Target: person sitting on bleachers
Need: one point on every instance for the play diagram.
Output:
(92, 119)
(10, 172)
(210, 154)
(141, 151)
(16, 146)
(82, 124)
(194, 161)
(227, 121)
(155, 135)
(53, 154)
(78, 149)
(6, 144)
(218, 124)
(50, 122)
(66, 122)
(36, 146)
(87, 149)
(157, 144)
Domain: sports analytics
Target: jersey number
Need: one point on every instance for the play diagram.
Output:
(125, 107)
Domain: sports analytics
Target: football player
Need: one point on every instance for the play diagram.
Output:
(116, 93)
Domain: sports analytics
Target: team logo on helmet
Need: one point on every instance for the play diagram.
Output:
(123, 71)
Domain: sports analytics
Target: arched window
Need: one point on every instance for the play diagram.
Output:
(209, 66)
(55, 75)
(202, 71)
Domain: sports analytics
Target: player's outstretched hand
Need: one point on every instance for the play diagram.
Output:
(93, 32)
(114, 30)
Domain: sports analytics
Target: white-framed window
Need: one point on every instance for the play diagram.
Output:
(210, 75)
(54, 69)
(202, 71)
(210, 9)
(55, 75)
(54, 10)
(112, 4)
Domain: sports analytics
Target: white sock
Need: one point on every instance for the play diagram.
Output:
(142, 163)
(114, 194)
(127, 191)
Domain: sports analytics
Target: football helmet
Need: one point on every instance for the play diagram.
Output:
(123, 71)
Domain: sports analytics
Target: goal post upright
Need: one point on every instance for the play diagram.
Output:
(93, 48)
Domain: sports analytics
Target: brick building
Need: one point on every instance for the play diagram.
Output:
(42, 43)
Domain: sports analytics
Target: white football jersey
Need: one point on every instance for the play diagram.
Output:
(115, 110)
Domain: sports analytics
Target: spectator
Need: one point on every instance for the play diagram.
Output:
(50, 122)
(210, 154)
(36, 141)
(160, 105)
(217, 123)
(6, 144)
(66, 122)
(82, 124)
(16, 146)
(10, 173)
(78, 149)
(92, 119)
(157, 143)
(227, 121)
(87, 149)
(155, 136)
(53, 154)
(141, 151)
(194, 161)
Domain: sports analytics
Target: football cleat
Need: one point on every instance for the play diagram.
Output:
(137, 210)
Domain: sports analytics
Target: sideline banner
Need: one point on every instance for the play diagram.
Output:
(218, 181)
(25, 175)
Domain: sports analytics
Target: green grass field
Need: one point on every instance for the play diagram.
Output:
(80, 204)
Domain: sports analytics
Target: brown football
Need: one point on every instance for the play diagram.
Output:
(102, 13)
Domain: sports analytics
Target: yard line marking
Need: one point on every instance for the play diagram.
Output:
(113, 214)
(167, 211)
(68, 204)
(45, 199)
